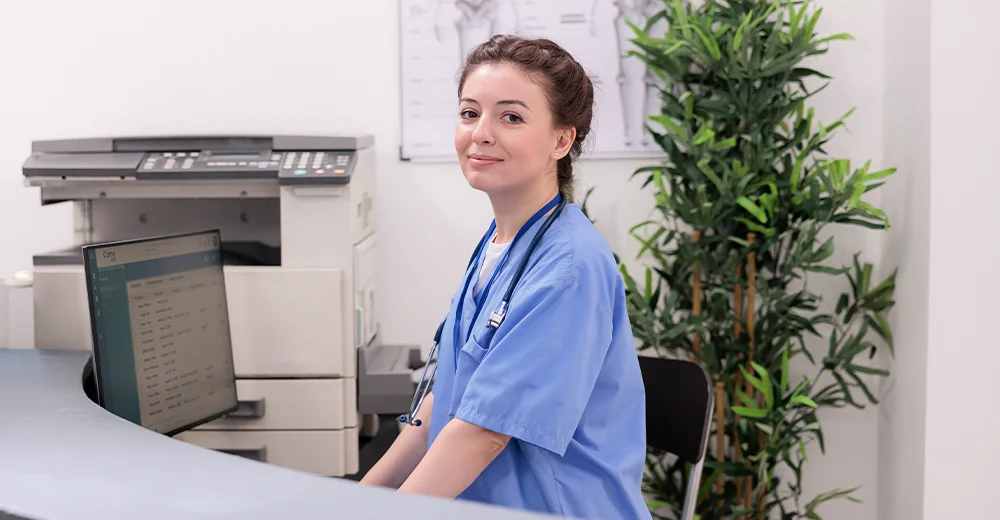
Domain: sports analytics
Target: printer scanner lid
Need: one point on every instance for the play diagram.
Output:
(290, 159)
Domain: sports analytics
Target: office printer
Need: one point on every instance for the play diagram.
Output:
(297, 217)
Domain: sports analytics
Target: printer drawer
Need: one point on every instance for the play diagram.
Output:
(288, 322)
(327, 453)
(61, 312)
(316, 404)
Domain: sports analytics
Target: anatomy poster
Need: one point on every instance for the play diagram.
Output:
(437, 34)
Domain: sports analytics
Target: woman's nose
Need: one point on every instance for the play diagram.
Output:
(483, 133)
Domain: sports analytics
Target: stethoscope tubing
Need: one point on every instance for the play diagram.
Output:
(496, 317)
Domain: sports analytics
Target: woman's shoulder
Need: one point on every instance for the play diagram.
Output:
(576, 250)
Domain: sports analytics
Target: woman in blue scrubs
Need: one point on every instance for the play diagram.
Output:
(547, 411)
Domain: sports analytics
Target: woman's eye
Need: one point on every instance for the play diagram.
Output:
(467, 114)
(513, 118)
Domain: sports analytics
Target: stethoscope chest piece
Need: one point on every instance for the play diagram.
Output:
(497, 316)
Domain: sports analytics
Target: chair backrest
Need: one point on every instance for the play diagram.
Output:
(679, 402)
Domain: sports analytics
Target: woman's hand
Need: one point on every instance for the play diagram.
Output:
(459, 454)
(405, 453)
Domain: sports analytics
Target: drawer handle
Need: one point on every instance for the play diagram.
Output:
(248, 410)
(258, 454)
(359, 319)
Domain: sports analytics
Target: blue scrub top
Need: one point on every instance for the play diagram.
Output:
(561, 377)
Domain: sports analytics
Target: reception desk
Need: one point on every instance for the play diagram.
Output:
(64, 457)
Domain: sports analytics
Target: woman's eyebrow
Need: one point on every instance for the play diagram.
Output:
(513, 102)
(501, 102)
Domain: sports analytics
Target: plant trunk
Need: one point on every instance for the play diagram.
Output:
(751, 307)
(696, 297)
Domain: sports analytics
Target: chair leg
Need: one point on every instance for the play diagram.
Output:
(691, 493)
(694, 479)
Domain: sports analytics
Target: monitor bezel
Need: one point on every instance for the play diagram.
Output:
(95, 352)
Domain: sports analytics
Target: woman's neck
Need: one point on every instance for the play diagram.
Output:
(512, 211)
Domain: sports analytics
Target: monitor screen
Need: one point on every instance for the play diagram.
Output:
(163, 354)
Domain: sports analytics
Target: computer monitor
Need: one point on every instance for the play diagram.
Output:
(163, 355)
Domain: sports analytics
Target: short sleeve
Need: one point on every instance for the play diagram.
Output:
(537, 377)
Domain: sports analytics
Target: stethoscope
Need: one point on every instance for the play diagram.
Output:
(497, 316)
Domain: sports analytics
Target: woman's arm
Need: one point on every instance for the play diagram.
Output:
(459, 454)
(405, 453)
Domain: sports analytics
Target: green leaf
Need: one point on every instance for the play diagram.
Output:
(859, 190)
(842, 303)
(703, 167)
(835, 37)
(836, 271)
(677, 331)
(653, 506)
(825, 251)
(658, 180)
(767, 231)
(797, 171)
(710, 44)
(752, 208)
(802, 72)
(801, 399)
(867, 370)
(880, 325)
(740, 241)
(880, 174)
(755, 413)
(784, 369)
(670, 125)
(687, 99)
(740, 32)
(704, 135)
(724, 145)
(765, 384)
(830, 495)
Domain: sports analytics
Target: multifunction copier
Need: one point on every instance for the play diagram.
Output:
(297, 218)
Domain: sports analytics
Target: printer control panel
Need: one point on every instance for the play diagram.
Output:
(289, 167)
(316, 167)
(208, 161)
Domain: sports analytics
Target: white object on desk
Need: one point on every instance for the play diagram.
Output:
(16, 311)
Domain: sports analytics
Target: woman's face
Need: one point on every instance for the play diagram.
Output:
(504, 137)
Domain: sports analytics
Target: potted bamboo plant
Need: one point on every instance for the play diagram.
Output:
(745, 202)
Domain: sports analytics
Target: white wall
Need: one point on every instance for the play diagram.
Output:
(907, 201)
(938, 440)
(114, 67)
(963, 430)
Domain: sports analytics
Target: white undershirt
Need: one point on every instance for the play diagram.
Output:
(493, 254)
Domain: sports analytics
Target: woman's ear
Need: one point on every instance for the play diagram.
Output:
(565, 137)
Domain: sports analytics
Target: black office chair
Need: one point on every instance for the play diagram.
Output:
(679, 407)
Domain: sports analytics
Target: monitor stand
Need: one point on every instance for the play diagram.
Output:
(89, 377)
(11, 516)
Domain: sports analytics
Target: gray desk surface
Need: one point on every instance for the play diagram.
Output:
(64, 457)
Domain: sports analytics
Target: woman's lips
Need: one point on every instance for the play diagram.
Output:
(483, 160)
